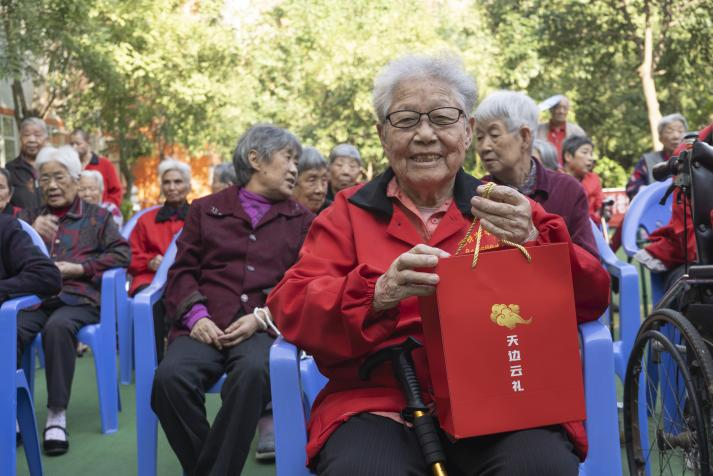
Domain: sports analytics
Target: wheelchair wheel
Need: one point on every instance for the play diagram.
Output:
(667, 399)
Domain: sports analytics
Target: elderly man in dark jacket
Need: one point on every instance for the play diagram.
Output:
(235, 245)
(24, 269)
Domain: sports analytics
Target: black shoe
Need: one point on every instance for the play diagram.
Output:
(55, 447)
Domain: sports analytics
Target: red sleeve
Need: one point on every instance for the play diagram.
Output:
(667, 242)
(590, 280)
(112, 188)
(326, 296)
(138, 240)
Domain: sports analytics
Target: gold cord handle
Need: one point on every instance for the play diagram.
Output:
(479, 235)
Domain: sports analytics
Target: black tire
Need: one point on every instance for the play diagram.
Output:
(678, 409)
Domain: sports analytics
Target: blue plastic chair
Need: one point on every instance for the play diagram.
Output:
(646, 213)
(123, 311)
(296, 381)
(15, 395)
(37, 343)
(101, 338)
(629, 301)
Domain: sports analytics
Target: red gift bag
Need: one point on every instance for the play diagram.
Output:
(502, 343)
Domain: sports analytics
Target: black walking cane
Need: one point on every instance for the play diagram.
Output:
(415, 411)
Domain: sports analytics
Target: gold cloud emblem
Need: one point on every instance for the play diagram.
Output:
(507, 315)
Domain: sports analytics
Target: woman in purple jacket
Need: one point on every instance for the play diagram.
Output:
(236, 245)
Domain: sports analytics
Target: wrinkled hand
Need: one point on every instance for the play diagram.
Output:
(70, 270)
(155, 263)
(401, 281)
(205, 330)
(240, 330)
(506, 214)
(46, 226)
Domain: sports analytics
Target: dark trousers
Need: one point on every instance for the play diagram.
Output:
(371, 445)
(59, 324)
(160, 325)
(188, 370)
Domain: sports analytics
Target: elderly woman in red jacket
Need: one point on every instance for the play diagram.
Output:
(154, 232)
(236, 245)
(366, 260)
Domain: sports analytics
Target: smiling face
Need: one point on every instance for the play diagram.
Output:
(311, 189)
(425, 157)
(174, 187)
(275, 178)
(59, 189)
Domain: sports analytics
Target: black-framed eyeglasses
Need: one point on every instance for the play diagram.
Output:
(441, 116)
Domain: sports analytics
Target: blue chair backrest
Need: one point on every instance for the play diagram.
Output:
(645, 212)
(129, 226)
(36, 238)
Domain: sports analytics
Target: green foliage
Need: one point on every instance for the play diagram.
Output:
(611, 173)
(148, 73)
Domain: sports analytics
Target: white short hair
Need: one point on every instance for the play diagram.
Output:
(93, 174)
(514, 109)
(445, 67)
(65, 155)
(170, 164)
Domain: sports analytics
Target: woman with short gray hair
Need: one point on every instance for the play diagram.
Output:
(506, 127)
(236, 244)
(370, 256)
(546, 154)
(312, 180)
(344, 169)
(223, 177)
(671, 130)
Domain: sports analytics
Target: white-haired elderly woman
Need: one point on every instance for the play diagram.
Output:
(83, 241)
(154, 232)
(91, 190)
(344, 169)
(312, 180)
(366, 260)
(671, 129)
(235, 246)
(506, 122)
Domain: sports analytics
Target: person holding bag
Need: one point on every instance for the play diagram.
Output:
(366, 260)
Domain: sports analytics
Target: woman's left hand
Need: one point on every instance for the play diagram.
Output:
(239, 330)
(70, 270)
(506, 213)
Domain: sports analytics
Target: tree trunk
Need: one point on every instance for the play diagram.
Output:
(18, 101)
(646, 73)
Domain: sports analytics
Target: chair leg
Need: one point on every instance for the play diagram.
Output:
(146, 428)
(107, 388)
(28, 429)
(126, 350)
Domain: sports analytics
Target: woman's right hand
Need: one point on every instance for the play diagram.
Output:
(205, 330)
(401, 281)
(46, 226)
